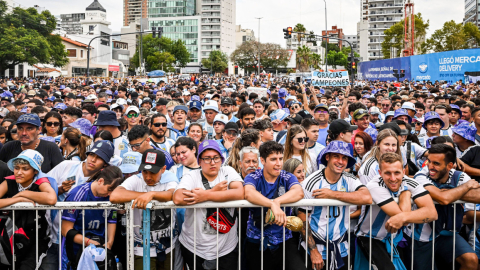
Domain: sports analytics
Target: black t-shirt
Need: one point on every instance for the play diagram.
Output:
(50, 152)
(4, 171)
(471, 157)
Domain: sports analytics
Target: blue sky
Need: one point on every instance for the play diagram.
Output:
(280, 14)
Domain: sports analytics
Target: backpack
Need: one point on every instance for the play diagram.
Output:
(445, 222)
(412, 167)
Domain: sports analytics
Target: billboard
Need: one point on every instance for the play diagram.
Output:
(383, 69)
(445, 66)
(339, 78)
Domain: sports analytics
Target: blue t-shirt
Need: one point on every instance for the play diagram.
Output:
(273, 233)
(94, 219)
(282, 102)
(322, 136)
(168, 158)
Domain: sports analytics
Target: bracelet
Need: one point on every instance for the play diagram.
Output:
(87, 242)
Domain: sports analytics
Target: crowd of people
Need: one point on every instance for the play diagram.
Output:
(398, 154)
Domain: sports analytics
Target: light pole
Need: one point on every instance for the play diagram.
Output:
(259, 44)
(326, 40)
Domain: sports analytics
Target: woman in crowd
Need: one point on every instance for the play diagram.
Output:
(250, 137)
(363, 144)
(387, 142)
(53, 125)
(186, 155)
(97, 188)
(74, 144)
(195, 131)
(296, 147)
(295, 167)
(105, 135)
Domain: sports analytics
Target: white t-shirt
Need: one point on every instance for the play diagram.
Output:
(310, 167)
(136, 183)
(206, 237)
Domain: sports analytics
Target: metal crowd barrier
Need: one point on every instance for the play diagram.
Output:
(231, 204)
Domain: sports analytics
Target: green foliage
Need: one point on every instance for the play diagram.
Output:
(24, 38)
(217, 60)
(153, 47)
(331, 46)
(299, 28)
(337, 59)
(304, 55)
(272, 56)
(452, 36)
(315, 60)
(473, 34)
(160, 60)
(395, 36)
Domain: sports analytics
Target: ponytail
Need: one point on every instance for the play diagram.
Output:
(110, 174)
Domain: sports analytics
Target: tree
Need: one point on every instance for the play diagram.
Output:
(26, 37)
(315, 59)
(451, 36)
(272, 55)
(337, 59)
(299, 28)
(160, 60)
(151, 46)
(304, 55)
(395, 36)
(331, 46)
(246, 56)
(473, 34)
(217, 60)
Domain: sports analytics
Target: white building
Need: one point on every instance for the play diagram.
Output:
(472, 12)
(243, 35)
(376, 17)
(352, 39)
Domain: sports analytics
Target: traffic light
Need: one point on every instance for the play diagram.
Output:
(160, 32)
(402, 73)
(354, 65)
(287, 33)
(154, 31)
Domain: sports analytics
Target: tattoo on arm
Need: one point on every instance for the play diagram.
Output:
(311, 242)
(426, 220)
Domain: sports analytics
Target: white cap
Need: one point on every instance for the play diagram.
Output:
(92, 97)
(115, 105)
(211, 105)
(408, 105)
(121, 101)
(132, 108)
(221, 118)
(374, 110)
(186, 93)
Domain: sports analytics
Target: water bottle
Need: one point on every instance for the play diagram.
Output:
(119, 264)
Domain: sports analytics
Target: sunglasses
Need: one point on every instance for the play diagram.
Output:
(52, 124)
(159, 124)
(295, 107)
(231, 133)
(385, 105)
(300, 140)
(130, 115)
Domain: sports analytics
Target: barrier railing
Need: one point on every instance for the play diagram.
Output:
(231, 204)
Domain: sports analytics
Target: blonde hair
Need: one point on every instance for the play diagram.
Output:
(375, 152)
(172, 103)
(292, 132)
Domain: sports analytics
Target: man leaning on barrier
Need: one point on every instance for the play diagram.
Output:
(331, 183)
(154, 183)
(446, 185)
(208, 231)
(388, 216)
(270, 188)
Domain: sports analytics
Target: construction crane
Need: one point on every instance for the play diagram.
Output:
(409, 40)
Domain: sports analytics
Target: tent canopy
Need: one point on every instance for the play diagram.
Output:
(156, 73)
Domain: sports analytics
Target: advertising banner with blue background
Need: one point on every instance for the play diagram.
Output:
(445, 66)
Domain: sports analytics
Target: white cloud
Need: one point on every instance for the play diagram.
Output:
(279, 14)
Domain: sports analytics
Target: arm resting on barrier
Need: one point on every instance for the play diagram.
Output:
(46, 195)
(122, 195)
(473, 195)
(78, 239)
(360, 197)
(198, 195)
(445, 197)
(405, 201)
(315, 256)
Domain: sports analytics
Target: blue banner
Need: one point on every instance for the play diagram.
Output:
(445, 66)
(382, 70)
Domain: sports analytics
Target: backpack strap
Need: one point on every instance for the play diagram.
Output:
(206, 185)
(409, 149)
(280, 135)
(456, 178)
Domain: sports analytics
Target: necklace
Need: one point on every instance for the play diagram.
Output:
(35, 145)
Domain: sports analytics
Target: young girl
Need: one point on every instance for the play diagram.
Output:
(363, 144)
(28, 184)
(97, 188)
(295, 167)
(195, 132)
(296, 147)
(387, 142)
(74, 144)
(186, 155)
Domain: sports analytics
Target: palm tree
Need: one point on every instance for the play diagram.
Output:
(299, 28)
(303, 60)
(316, 60)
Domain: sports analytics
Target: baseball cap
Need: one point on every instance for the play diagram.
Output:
(152, 160)
(221, 118)
(131, 162)
(195, 104)
(339, 125)
(295, 120)
(359, 113)
(3, 112)
(92, 97)
(132, 108)
(103, 149)
(107, 118)
(162, 101)
(34, 158)
(324, 106)
(231, 126)
(209, 144)
(29, 118)
(409, 106)
(393, 126)
(211, 105)
(115, 105)
(121, 101)
(282, 92)
(374, 110)
(227, 101)
(186, 93)
(278, 115)
(180, 107)
(71, 95)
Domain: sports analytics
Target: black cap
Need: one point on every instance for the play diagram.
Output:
(295, 120)
(134, 95)
(162, 101)
(70, 95)
(231, 126)
(152, 160)
(340, 125)
(227, 101)
(393, 126)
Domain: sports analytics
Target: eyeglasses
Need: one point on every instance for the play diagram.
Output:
(295, 107)
(50, 124)
(13, 131)
(209, 160)
(130, 115)
(137, 145)
(159, 124)
(418, 123)
(319, 111)
(85, 113)
(300, 140)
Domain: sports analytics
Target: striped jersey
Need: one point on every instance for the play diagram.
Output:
(165, 146)
(381, 196)
(121, 145)
(423, 232)
(337, 217)
(368, 170)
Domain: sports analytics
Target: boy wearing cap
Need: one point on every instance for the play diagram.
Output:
(432, 126)
(322, 116)
(270, 187)
(195, 111)
(154, 183)
(107, 120)
(331, 183)
(219, 125)
(226, 105)
(229, 135)
(132, 115)
(211, 110)
(158, 129)
(213, 182)
(29, 184)
(179, 122)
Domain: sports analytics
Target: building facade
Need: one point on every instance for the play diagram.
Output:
(376, 17)
(243, 35)
(352, 39)
(472, 12)
(335, 33)
(133, 11)
(70, 23)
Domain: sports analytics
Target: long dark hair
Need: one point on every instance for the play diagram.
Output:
(55, 115)
(187, 142)
(110, 174)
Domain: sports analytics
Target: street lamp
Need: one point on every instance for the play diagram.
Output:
(259, 44)
(326, 40)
